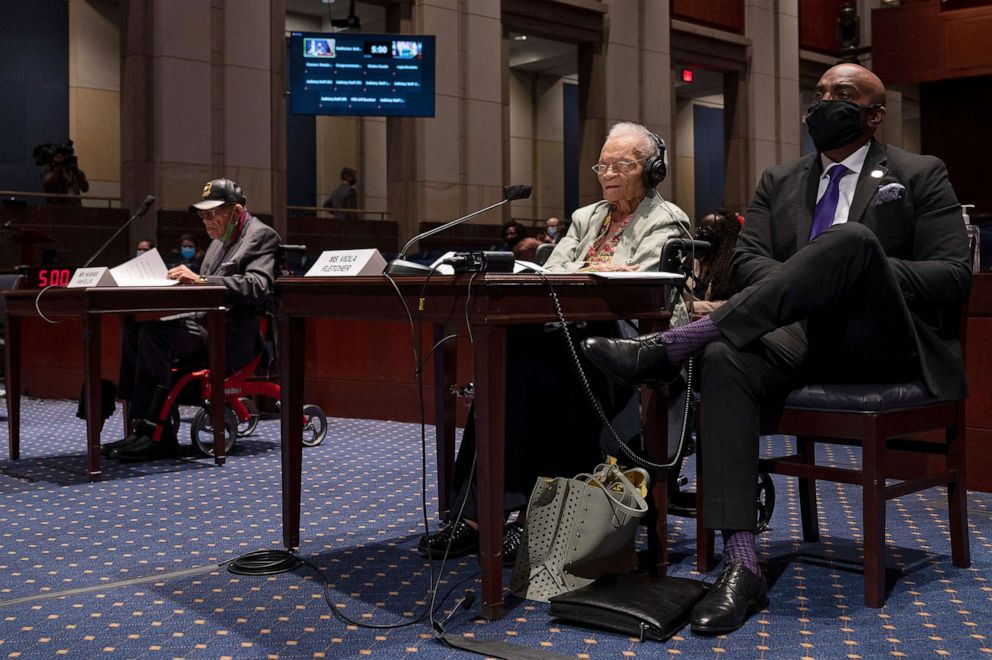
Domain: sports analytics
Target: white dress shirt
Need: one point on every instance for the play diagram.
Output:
(847, 184)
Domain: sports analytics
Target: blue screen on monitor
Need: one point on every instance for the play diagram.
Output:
(342, 73)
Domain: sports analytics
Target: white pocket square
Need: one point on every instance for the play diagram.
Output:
(889, 192)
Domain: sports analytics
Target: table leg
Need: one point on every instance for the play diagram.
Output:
(12, 355)
(445, 375)
(92, 326)
(490, 375)
(292, 340)
(216, 350)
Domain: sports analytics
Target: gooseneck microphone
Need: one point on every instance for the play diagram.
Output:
(400, 266)
(143, 209)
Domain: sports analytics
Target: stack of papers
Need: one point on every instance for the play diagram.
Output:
(147, 269)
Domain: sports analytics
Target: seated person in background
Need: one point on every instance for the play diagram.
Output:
(242, 258)
(852, 268)
(188, 254)
(512, 232)
(625, 231)
(710, 284)
(144, 245)
(554, 229)
(526, 249)
(344, 196)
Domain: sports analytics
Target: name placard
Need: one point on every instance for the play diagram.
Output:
(347, 263)
(90, 277)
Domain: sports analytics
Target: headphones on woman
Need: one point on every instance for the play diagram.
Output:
(655, 167)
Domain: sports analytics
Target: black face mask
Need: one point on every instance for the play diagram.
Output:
(833, 124)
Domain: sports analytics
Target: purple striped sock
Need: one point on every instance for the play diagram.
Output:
(689, 340)
(738, 545)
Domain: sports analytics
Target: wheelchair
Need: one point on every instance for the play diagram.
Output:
(677, 257)
(241, 415)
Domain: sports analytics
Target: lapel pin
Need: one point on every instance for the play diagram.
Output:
(877, 174)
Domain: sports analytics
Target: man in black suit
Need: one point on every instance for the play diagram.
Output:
(242, 258)
(851, 267)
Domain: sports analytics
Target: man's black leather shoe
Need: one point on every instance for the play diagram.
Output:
(643, 360)
(146, 449)
(737, 594)
(107, 448)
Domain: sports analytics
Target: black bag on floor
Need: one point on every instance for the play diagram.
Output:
(108, 403)
(639, 605)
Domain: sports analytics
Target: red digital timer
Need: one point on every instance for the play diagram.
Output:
(40, 277)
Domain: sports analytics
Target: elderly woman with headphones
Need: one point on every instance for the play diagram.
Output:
(624, 231)
(551, 428)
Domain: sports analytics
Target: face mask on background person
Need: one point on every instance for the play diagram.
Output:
(552, 231)
(139, 252)
(187, 252)
(833, 124)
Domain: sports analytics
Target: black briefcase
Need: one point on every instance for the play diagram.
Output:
(639, 605)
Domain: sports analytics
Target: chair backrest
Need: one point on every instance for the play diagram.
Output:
(677, 254)
(543, 253)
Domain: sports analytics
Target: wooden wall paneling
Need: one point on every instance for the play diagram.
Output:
(818, 25)
(723, 14)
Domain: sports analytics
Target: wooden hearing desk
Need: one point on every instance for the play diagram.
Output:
(490, 303)
(89, 305)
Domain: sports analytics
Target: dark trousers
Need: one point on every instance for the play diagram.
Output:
(833, 312)
(147, 354)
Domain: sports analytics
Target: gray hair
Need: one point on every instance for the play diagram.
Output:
(646, 146)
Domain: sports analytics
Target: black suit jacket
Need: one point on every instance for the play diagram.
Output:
(247, 268)
(922, 233)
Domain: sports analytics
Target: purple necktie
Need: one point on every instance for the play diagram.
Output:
(823, 214)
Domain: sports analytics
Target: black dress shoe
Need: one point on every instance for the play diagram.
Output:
(737, 594)
(107, 448)
(632, 361)
(464, 541)
(146, 449)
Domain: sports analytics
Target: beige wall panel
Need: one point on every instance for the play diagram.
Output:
(484, 143)
(482, 59)
(444, 24)
(102, 189)
(337, 147)
(685, 187)
(247, 123)
(656, 92)
(477, 197)
(550, 179)
(94, 45)
(184, 132)
(763, 96)
(257, 184)
(521, 107)
(761, 29)
(179, 184)
(246, 34)
(372, 190)
(441, 153)
(550, 109)
(183, 29)
(522, 172)
(487, 8)
(765, 155)
(622, 83)
(451, 5)
(94, 125)
(657, 21)
(624, 23)
(440, 201)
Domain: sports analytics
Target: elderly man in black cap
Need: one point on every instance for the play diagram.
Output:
(241, 258)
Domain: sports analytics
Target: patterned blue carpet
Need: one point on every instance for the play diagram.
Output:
(66, 545)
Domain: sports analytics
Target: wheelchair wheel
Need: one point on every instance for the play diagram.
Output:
(314, 425)
(248, 427)
(201, 431)
(766, 501)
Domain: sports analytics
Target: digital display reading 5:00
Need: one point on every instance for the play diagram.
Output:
(53, 277)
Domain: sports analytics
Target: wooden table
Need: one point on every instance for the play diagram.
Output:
(490, 303)
(89, 306)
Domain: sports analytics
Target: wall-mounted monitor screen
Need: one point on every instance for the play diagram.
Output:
(343, 73)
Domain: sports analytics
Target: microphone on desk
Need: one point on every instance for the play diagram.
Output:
(400, 266)
(143, 209)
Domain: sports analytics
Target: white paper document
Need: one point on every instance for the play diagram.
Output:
(147, 269)
(637, 275)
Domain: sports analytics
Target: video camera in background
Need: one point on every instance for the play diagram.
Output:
(49, 154)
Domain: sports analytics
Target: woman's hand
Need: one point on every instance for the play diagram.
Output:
(609, 268)
(704, 307)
